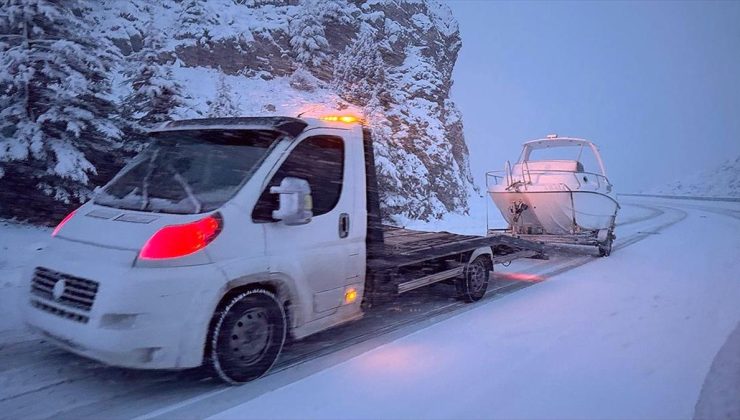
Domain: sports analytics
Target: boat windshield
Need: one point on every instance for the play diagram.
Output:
(558, 153)
(188, 171)
(578, 153)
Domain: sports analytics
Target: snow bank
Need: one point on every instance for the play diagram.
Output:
(18, 244)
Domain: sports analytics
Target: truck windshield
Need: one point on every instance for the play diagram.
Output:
(188, 171)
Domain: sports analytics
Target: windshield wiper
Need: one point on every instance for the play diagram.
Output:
(189, 191)
(145, 181)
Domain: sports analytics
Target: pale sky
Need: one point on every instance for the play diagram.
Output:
(655, 84)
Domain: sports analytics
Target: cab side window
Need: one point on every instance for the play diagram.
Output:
(320, 161)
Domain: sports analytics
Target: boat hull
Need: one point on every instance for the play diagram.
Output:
(556, 212)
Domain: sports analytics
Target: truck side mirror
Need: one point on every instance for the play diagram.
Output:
(295, 201)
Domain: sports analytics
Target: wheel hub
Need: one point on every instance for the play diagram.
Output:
(250, 336)
(477, 277)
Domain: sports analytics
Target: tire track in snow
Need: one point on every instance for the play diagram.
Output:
(654, 212)
(456, 308)
(734, 214)
(72, 379)
(679, 215)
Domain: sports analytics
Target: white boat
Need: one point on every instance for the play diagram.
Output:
(558, 190)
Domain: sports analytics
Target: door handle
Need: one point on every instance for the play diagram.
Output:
(343, 225)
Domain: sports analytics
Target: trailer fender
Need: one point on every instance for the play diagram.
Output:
(486, 250)
(603, 235)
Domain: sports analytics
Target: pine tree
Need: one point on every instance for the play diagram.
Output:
(359, 72)
(56, 117)
(223, 105)
(307, 38)
(339, 11)
(154, 94)
(193, 22)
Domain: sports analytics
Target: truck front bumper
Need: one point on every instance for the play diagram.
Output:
(150, 318)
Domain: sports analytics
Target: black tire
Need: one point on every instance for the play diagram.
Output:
(472, 286)
(247, 336)
(605, 248)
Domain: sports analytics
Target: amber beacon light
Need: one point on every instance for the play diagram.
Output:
(348, 119)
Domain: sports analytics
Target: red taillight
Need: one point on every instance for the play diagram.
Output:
(65, 220)
(180, 240)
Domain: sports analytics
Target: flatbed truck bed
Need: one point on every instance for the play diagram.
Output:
(411, 259)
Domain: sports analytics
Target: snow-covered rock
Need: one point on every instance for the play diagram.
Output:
(390, 61)
(722, 181)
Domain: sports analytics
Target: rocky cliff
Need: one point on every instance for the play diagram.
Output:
(390, 61)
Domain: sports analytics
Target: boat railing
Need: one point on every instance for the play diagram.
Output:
(507, 176)
(528, 172)
(601, 180)
(509, 173)
(496, 177)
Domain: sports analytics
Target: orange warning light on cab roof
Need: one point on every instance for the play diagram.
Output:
(342, 118)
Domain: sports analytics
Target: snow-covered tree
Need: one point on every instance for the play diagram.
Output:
(56, 116)
(307, 38)
(223, 105)
(337, 11)
(359, 72)
(155, 95)
(124, 21)
(193, 22)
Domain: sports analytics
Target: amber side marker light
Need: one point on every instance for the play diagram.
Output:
(350, 295)
(62, 223)
(342, 118)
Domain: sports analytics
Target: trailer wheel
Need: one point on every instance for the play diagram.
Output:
(472, 286)
(248, 336)
(605, 248)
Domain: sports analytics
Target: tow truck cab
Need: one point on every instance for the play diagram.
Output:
(226, 235)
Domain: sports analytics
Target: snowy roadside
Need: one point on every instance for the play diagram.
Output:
(18, 245)
(630, 336)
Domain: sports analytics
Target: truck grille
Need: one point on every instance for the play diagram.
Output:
(77, 293)
(59, 311)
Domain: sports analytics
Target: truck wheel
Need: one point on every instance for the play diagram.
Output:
(248, 336)
(472, 286)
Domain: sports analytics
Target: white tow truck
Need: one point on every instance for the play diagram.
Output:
(226, 235)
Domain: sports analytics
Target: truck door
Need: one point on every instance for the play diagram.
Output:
(323, 256)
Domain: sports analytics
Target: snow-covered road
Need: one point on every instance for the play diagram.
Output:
(633, 335)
